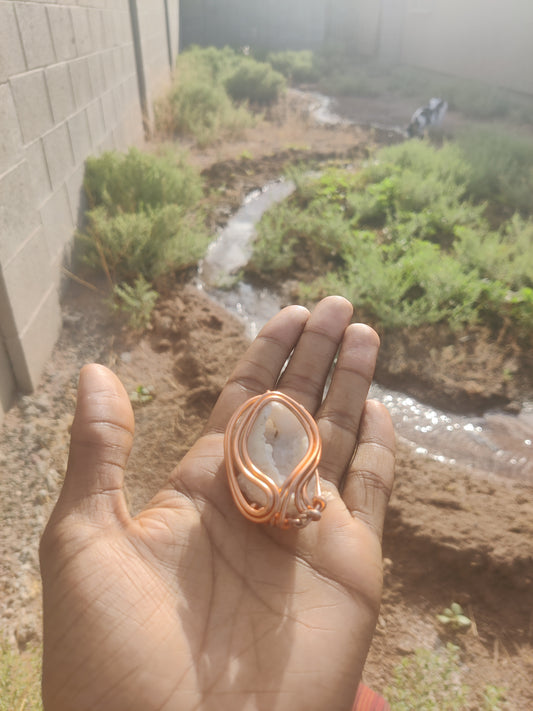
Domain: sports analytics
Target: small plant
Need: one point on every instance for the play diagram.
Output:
(137, 301)
(494, 698)
(142, 395)
(428, 681)
(453, 618)
(20, 680)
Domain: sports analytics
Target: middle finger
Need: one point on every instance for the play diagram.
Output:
(306, 373)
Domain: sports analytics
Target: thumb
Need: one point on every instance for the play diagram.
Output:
(101, 441)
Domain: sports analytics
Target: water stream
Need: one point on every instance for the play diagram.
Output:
(496, 442)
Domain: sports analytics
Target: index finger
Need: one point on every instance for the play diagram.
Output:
(260, 367)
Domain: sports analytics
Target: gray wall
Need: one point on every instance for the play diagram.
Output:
(272, 24)
(69, 88)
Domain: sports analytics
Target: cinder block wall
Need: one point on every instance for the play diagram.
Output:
(69, 88)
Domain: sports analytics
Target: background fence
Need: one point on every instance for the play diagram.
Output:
(74, 78)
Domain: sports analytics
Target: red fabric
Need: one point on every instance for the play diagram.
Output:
(368, 700)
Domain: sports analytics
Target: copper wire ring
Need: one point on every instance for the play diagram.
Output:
(286, 506)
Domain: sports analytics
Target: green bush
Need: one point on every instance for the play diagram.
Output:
(256, 82)
(137, 301)
(202, 110)
(298, 67)
(137, 181)
(211, 92)
(428, 681)
(146, 217)
(501, 168)
(403, 242)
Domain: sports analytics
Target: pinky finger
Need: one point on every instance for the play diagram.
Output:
(369, 481)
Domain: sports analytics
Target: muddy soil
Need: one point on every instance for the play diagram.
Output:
(451, 535)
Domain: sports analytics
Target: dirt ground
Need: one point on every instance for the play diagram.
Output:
(451, 534)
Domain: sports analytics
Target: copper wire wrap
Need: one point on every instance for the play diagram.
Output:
(286, 506)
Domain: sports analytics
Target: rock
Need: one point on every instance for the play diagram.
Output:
(26, 633)
(41, 497)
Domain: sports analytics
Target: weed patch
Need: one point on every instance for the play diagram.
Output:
(404, 242)
(428, 681)
(145, 217)
(212, 92)
(20, 680)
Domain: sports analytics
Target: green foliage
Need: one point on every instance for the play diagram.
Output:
(202, 110)
(209, 97)
(298, 67)
(428, 681)
(402, 240)
(20, 680)
(142, 395)
(494, 698)
(256, 82)
(501, 168)
(137, 301)
(145, 218)
(137, 181)
(454, 619)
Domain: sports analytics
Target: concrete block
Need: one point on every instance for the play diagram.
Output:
(62, 32)
(95, 116)
(10, 135)
(58, 152)
(81, 82)
(29, 351)
(96, 72)
(18, 217)
(32, 104)
(110, 110)
(39, 176)
(57, 222)
(76, 195)
(35, 32)
(96, 28)
(82, 30)
(80, 136)
(60, 91)
(109, 68)
(110, 37)
(12, 59)
(27, 278)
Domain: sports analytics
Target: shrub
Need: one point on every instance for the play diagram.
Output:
(256, 82)
(298, 67)
(402, 241)
(145, 219)
(138, 181)
(137, 301)
(211, 91)
(501, 168)
(428, 681)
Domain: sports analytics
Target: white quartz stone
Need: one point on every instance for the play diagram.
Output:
(277, 442)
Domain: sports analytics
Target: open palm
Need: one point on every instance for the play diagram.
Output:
(191, 606)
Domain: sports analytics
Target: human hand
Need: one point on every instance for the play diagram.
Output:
(189, 605)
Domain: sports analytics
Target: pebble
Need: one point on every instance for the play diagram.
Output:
(41, 497)
(125, 357)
